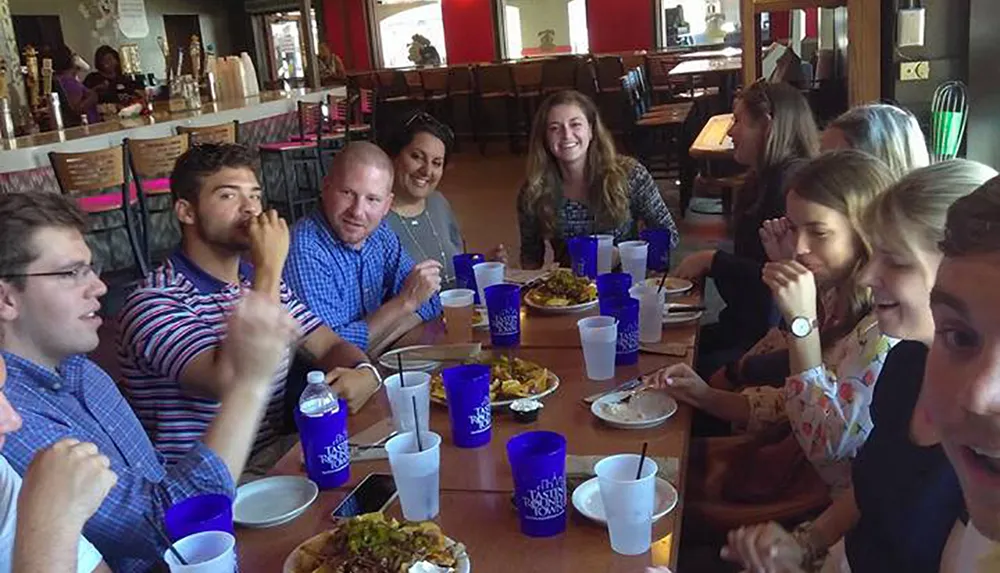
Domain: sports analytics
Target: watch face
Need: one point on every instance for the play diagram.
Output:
(800, 327)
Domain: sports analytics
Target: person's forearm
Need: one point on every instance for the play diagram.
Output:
(342, 354)
(234, 429)
(382, 321)
(836, 521)
(730, 406)
(44, 545)
(401, 328)
(804, 353)
(267, 282)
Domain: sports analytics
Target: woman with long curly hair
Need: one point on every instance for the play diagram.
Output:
(578, 184)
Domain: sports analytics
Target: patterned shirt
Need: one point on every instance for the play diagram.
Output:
(576, 219)
(343, 284)
(177, 313)
(79, 400)
(829, 406)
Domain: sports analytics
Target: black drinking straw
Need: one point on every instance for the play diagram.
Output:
(663, 281)
(163, 537)
(416, 425)
(399, 364)
(642, 458)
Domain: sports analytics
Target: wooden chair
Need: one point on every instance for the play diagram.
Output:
(493, 83)
(151, 162)
(560, 73)
(657, 135)
(435, 85)
(609, 72)
(223, 133)
(526, 78)
(462, 83)
(99, 182)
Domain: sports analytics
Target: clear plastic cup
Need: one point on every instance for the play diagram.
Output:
(488, 274)
(628, 502)
(417, 473)
(605, 248)
(633, 255)
(457, 305)
(598, 335)
(205, 552)
(651, 300)
(401, 392)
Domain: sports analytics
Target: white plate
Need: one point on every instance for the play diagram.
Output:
(673, 286)
(655, 406)
(679, 317)
(462, 565)
(553, 386)
(587, 500)
(272, 501)
(388, 360)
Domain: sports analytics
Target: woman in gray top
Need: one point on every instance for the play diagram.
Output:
(420, 215)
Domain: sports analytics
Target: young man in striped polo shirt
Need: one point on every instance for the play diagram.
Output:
(173, 326)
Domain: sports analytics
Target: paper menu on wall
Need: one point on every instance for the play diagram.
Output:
(132, 18)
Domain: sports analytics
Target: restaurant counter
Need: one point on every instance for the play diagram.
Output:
(24, 162)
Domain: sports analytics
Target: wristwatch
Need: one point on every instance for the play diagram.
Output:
(801, 326)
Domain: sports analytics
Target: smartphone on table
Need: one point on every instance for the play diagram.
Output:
(375, 493)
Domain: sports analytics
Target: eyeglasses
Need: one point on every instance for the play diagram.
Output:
(422, 117)
(78, 274)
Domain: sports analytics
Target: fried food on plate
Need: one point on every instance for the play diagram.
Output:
(509, 379)
(563, 288)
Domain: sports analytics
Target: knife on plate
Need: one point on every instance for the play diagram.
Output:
(623, 387)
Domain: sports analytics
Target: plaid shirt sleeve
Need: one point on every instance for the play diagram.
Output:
(647, 203)
(399, 259)
(305, 272)
(308, 322)
(119, 521)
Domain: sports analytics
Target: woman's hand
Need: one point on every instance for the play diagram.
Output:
(498, 254)
(778, 239)
(794, 288)
(680, 382)
(695, 266)
(764, 548)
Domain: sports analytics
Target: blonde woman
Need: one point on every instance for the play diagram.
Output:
(888, 132)
(905, 501)
(833, 340)
(578, 184)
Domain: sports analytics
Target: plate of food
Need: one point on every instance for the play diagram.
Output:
(672, 286)
(634, 410)
(510, 380)
(674, 313)
(389, 361)
(562, 291)
(373, 542)
(587, 500)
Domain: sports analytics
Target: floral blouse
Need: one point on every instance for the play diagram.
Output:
(828, 406)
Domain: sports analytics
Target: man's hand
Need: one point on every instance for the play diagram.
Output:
(355, 386)
(269, 241)
(695, 266)
(424, 280)
(258, 334)
(66, 482)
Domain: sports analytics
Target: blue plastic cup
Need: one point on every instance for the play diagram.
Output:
(503, 305)
(658, 255)
(612, 285)
(626, 310)
(325, 447)
(538, 464)
(467, 388)
(583, 256)
(464, 276)
(207, 512)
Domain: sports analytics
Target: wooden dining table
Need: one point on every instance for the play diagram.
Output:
(476, 484)
(713, 141)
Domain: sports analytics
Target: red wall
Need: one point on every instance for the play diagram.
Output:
(468, 31)
(347, 32)
(620, 25)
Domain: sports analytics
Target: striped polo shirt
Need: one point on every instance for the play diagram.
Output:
(178, 312)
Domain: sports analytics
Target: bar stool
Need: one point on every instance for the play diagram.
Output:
(354, 116)
(436, 96)
(99, 183)
(151, 162)
(559, 73)
(461, 83)
(609, 70)
(527, 80)
(228, 132)
(299, 161)
(493, 83)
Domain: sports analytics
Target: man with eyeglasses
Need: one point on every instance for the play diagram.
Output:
(49, 303)
(347, 264)
(173, 337)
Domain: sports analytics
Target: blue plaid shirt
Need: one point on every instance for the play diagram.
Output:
(343, 285)
(81, 401)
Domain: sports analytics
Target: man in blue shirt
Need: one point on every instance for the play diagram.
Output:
(348, 266)
(49, 294)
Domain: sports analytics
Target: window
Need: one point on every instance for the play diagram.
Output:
(288, 46)
(411, 33)
(544, 27)
(695, 22)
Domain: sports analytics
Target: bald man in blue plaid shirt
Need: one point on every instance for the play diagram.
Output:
(348, 266)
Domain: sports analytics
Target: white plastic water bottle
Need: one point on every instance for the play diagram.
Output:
(317, 398)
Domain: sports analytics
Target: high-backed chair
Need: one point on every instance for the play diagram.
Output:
(228, 132)
(494, 83)
(151, 162)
